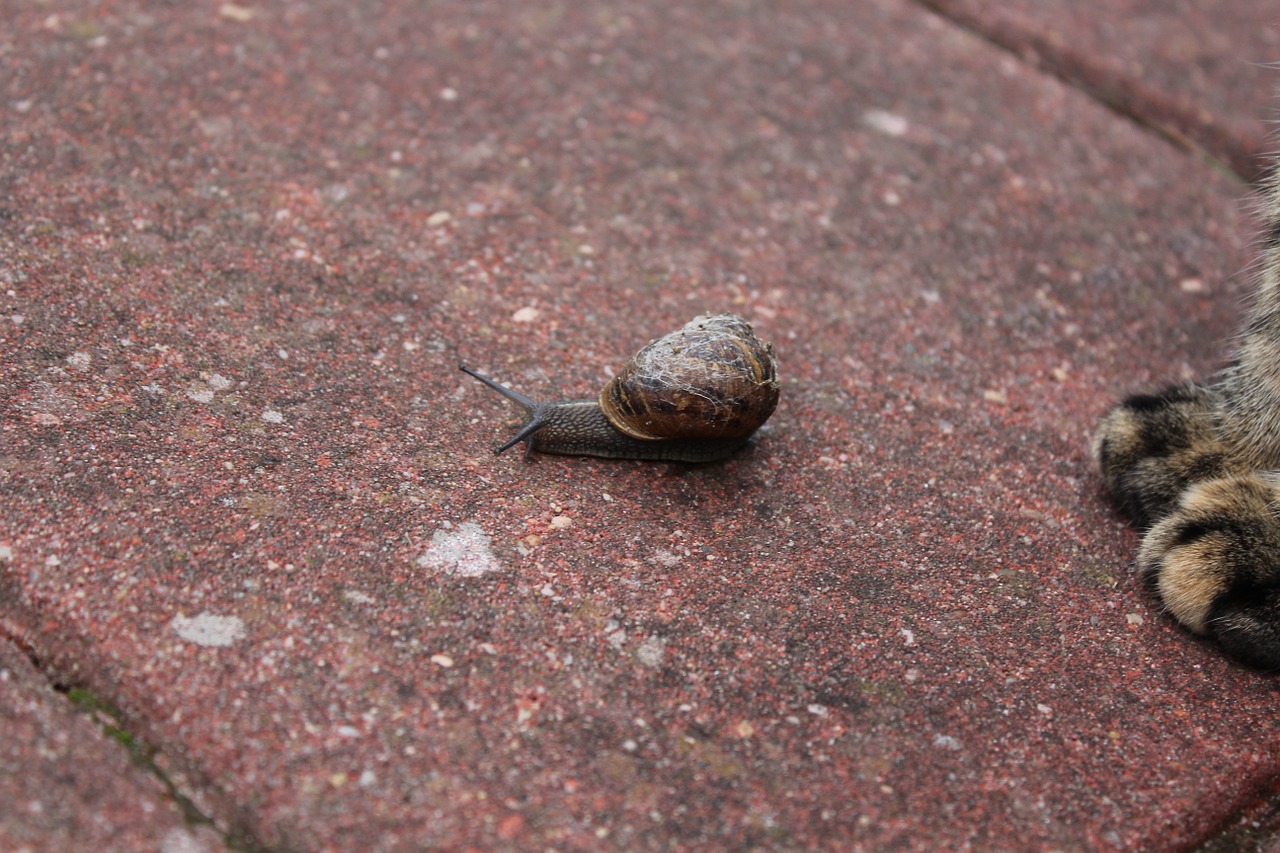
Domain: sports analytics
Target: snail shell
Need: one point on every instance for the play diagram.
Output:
(711, 379)
(694, 395)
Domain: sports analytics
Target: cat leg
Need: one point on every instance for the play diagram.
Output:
(1215, 560)
(1250, 387)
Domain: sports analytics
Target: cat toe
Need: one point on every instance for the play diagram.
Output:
(1151, 446)
(1215, 561)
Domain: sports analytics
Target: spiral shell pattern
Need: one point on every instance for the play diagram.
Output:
(711, 379)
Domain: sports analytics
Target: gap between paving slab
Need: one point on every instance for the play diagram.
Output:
(935, 387)
(64, 786)
(1153, 74)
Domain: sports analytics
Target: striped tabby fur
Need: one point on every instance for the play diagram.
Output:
(1197, 468)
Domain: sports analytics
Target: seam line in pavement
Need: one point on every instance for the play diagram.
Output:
(1126, 97)
(142, 754)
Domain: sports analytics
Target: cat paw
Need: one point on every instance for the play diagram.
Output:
(1215, 561)
(1150, 447)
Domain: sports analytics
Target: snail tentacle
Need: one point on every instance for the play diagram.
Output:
(528, 402)
(526, 431)
(537, 412)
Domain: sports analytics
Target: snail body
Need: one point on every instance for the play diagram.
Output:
(694, 395)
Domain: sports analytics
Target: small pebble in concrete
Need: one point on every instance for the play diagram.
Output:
(235, 12)
(208, 629)
(890, 124)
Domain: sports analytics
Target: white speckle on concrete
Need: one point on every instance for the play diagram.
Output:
(947, 742)
(203, 389)
(890, 124)
(79, 361)
(614, 635)
(440, 217)
(218, 382)
(6, 553)
(666, 558)
(651, 651)
(464, 550)
(271, 416)
(181, 840)
(207, 629)
(525, 315)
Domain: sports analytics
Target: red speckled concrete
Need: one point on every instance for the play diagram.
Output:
(250, 499)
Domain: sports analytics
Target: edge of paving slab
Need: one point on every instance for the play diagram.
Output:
(1248, 156)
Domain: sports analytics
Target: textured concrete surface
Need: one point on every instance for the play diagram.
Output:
(1201, 72)
(250, 499)
(65, 786)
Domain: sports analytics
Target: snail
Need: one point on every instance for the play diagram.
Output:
(694, 395)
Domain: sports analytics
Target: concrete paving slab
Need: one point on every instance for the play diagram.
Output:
(252, 500)
(65, 786)
(1203, 72)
